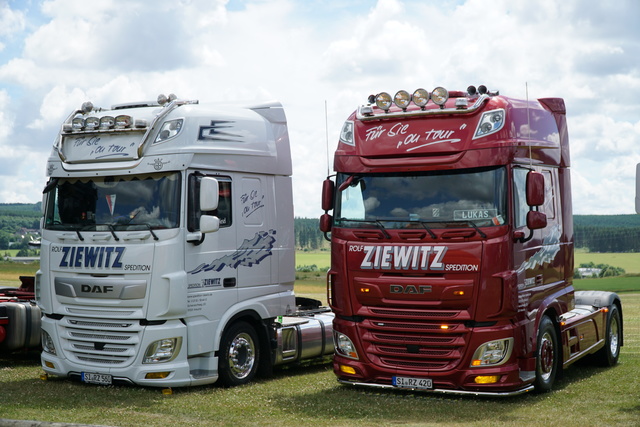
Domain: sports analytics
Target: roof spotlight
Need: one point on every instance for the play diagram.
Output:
(87, 107)
(440, 96)
(482, 89)
(162, 99)
(402, 99)
(471, 90)
(383, 101)
(420, 97)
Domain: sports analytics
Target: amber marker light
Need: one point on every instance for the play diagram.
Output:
(365, 290)
(444, 327)
(458, 293)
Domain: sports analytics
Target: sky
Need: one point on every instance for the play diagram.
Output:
(321, 59)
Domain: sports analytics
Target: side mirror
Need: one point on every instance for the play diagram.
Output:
(208, 194)
(209, 224)
(325, 223)
(535, 188)
(536, 220)
(328, 189)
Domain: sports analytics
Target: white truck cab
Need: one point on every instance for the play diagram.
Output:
(167, 254)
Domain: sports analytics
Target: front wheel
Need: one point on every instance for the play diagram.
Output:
(239, 355)
(547, 356)
(609, 354)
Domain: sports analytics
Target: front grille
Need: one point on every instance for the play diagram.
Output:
(416, 342)
(101, 342)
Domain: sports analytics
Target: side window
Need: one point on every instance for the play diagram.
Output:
(520, 206)
(224, 212)
(549, 207)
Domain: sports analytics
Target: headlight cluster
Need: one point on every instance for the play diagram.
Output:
(344, 346)
(402, 98)
(492, 353)
(164, 350)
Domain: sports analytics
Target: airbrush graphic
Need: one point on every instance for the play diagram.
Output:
(251, 252)
(547, 253)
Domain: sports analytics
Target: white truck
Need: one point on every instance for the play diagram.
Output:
(167, 255)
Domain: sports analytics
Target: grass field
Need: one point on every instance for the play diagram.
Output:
(311, 396)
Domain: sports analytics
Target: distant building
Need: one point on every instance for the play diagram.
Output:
(589, 272)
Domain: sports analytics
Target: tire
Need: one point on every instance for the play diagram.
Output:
(239, 355)
(609, 354)
(547, 356)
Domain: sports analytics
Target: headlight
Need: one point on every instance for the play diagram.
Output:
(169, 130)
(492, 353)
(47, 343)
(346, 134)
(490, 122)
(164, 350)
(344, 346)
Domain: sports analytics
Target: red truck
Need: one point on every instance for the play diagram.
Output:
(20, 317)
(452, 247)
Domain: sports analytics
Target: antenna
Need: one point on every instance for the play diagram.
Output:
(326, 133)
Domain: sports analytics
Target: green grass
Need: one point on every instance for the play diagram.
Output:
(311, 396)
(322, 259)
(629, 261)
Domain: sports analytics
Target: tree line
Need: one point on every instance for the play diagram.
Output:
(597, 233)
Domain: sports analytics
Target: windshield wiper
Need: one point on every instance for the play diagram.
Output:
(424, 225)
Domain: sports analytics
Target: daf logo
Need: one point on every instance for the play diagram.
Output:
(410, 289)
(96, 289)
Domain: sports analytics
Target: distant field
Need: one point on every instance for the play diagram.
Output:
(320, 258)
(629, 261)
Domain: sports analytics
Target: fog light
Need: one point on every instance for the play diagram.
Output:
(49, 365)
(487, 379)
(156, 375)
(420, 97)
(402, 99)
(347, 369)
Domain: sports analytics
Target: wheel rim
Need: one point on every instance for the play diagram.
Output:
(614, 332)
(241, 356)
(547, 356)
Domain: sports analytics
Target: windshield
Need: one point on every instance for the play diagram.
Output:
(136, 202)
(476, 197)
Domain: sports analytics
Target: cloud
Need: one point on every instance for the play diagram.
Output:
(57, 55)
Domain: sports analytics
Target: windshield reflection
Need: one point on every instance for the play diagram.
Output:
(150, 201)
(437, 199)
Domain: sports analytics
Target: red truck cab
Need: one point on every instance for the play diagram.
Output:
(452, 247)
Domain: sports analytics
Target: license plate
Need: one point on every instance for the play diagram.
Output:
(407, 382)
(102, 379)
